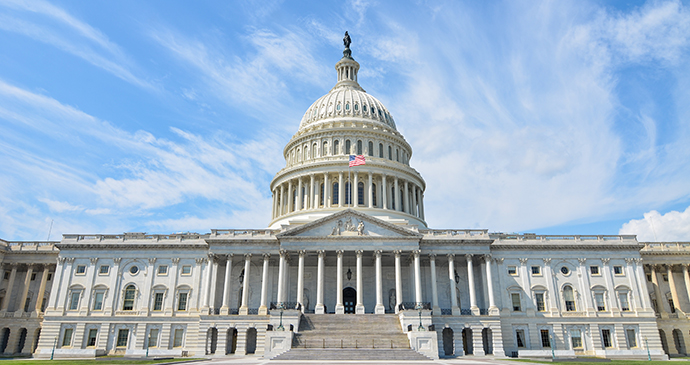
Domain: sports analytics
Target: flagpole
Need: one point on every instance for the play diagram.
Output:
(349, 193)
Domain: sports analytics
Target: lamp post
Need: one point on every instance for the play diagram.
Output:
(419, 308)
(281, 306)
(53, 352)
(649, 356)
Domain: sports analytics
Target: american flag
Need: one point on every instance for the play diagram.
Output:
(357, 160)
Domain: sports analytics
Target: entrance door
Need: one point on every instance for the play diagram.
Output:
(349, 299)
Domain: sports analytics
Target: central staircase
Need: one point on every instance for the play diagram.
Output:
(351, 337)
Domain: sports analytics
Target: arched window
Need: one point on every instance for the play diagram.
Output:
(313, 150)
(347, 193)
(324, 151)
(373, 195)
(335, 192)
(304, 198)
(347, 147)
(360, 193)
(397, 155)
(336, 147)
(381, 150)
(370, 151)
(402, 200)
(392, 197)
(359, 147)
(321, 197)
(306, 153)
(128, 302)
(390, 153)
(299, 155)
(294, 199)
(569, 298)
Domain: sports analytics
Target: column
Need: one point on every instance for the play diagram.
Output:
(470, 280)
(281, 275)
(609, 285)
(312, 193)
(340, 189)
(8, 291)
(384, 196)
(398, 281)
(359, 309)
(552, 294)
(354, 190)
(370, 190)
(41, 289)
(282, 200)
(227, 286)
(207, 282)
(339, 308)
(661, 308)
(642, 282)
(244, 309)
(300, 195)
(379, 309)
(25, 292)
(421, 204)
(415, 205)
(451, 278)
(584, 287)
(326, 191)
(417, 278)
(686, 279)
(300, 280)
(275, 203)
(396, 195)
(493, 310)
(434, 289)
(286, 279)
(406, 206)
(213, 263)
(263, 308)
(320, 308)
(674, 290)
(290, 197)
(57, 283)
(635, 295)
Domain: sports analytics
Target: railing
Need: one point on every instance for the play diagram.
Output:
(415, 306)
(544, 237)
(666, 246)
(234, 311)
(135, 237)
(483, 312)
(243, 232)
(446, 312)
(31, 246)
(465, 312)
(455, 232)
(286, 305)
(349, 344)
(253, 311)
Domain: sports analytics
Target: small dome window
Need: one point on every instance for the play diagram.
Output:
(134, 269)
(364, 108)
(337, 107)
(347, 106)
(356, 107)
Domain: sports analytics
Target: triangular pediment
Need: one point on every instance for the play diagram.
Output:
(349, 223)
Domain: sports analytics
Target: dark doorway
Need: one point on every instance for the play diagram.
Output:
(349, 299)
(487, 340)
(251, 341)
(231, 342)
(4, 337)
(467, 341)
(21, 342)
(679, 341)
(448, 341)
(211, 341)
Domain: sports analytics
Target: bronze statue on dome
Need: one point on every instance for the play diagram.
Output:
(347, 41)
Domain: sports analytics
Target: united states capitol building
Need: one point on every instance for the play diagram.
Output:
(347, 263)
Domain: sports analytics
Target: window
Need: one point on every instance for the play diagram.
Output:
(565, 270)
(649, 277)
(599, 299)
(81, 269)
(50, 276)
(336, 147)
(569, 299)
(91, 338)
(539, 297)
(631, 338)
(122, 336)
(177, 340)
(512, 270)
(360, 193)
(576, 338)
(359, 147)
(670, 305)
(664, 276)
(103, 270)
(381, 150)
(545, 338)
(163, 270)
(313, 150)
(594, 270)
(158, 301)
(347, 147)
(347, 106)
(536, 270)
(623, 298)
(182, 302)
(515, 298)
(397, 155)
(7, 275)
(153, 338)
(321, 195)
(187, 270)
(390, 153)
(335, 193)
(67, 337)
(128, 302)
(98, 301)
(606, 337)
(324, 150)
(373, 195)
(370, 151)
(618, 270)
(27, 304)
(364, 108)
(33, 276)
(134, 269)
(520, 338)
(74, 300)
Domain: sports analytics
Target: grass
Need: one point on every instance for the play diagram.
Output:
(100, 361)
(626, 362)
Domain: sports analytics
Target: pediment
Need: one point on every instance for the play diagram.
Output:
(349, 223)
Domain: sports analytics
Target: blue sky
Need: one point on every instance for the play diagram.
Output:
(555, 117)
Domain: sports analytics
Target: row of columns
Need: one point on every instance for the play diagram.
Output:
(656, 271)
(411, 195)
(25, 290)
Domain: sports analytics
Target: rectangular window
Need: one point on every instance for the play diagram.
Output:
(649, 277)
(664, 276)
(618, 270)
(74, 300)
(606, 338)
(67, 337)
(153, 337)
(623, 297)
(515, 298)
(104, 269)
(182, 302)
(27, 304)
(540, 302)
(33, 276)
(7, 275)
(594, 270)
(177, 340)
(512, 270)
(520, 338)
(91, 339)
(81, 269)
(158, 301)
(536, 270)
(576, 339)
(631, 338)
(163, 270)
(187, 270)
(545, 338)
(50, 276)
(599, 299)
(670, 305)
(122, 336)
(654, 305)
(98, 301)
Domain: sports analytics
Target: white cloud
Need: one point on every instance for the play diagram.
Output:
(655, 227)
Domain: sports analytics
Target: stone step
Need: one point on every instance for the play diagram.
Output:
(351, 354)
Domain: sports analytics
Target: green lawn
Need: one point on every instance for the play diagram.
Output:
(100, 361)
(626, 362)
